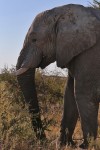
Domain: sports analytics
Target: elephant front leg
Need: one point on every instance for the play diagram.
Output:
(70, 114)
(88, 109)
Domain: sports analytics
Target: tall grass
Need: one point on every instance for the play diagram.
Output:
(15, 123)
(16, 131)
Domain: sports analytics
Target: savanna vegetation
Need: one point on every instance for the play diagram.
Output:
(15, 124)
(95, 4)
(16, 131)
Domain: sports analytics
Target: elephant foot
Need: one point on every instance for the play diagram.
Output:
(72, 143)
(84, 145)
(64, 140)
(38, 128)
(41, 136)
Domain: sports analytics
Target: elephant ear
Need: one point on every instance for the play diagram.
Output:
(75, 35)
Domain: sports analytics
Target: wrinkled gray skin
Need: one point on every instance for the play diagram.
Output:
(69, 35)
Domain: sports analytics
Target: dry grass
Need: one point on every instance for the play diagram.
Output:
(15, 125)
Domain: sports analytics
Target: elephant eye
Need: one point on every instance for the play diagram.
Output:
(33, 40)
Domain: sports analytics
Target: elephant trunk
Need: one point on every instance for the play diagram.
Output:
(26, 81)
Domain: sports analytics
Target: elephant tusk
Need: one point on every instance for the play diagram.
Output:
(21, 71)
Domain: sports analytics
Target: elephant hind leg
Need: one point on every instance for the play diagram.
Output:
(70, 114)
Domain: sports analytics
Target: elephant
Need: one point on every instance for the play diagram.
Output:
(69, 35)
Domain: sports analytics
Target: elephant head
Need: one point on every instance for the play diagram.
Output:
(40, 43)
(38, 51)
(59, 34)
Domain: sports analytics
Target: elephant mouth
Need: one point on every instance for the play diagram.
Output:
(46, 61)
(43, 62)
